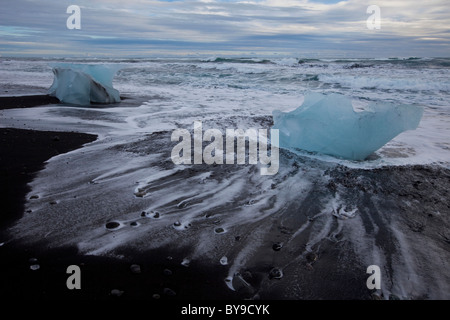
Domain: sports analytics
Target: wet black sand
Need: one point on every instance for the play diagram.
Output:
(15, 102)
(22, 154)
(162, 281)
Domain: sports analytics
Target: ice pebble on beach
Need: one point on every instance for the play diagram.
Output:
(135, 268)
(82, 84)
(224, 261)
(328, 124)
(185, 262)
(34, 265)
(116, 292)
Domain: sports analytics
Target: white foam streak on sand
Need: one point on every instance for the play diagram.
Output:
(412, 258)
(212, 204)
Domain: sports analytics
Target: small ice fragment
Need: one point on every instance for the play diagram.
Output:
(34, 267)
(116, 292)
(185, 262)
(135, 268)
(224, 261)
(177, 224)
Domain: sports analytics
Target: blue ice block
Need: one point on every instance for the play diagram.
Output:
(82, 84)
(328, 124)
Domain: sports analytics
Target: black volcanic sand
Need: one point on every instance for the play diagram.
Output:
(161, 277)
(26, 101)
(22, 154)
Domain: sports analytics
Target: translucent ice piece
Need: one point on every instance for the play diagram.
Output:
(328, 124)
(82, 84)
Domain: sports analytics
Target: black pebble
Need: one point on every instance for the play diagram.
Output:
(219, 230)
(275, 273)
(112, 225)
(169, 292)
(277, 246)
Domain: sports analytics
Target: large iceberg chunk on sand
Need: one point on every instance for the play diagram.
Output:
(83, 84)
(329, 124)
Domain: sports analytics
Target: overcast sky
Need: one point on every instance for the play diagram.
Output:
(306, 28)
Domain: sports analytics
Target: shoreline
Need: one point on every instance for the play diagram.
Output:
(26, 101)
(23, 154)
(162, 278)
